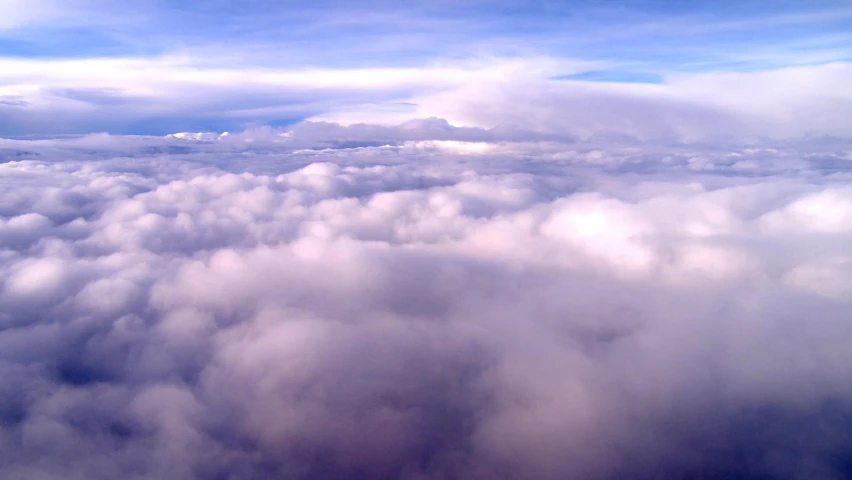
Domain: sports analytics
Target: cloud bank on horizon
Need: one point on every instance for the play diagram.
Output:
(468, 240)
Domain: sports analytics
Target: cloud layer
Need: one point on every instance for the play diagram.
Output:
(176, 93)
(423, 301)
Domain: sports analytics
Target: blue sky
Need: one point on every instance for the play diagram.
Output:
(615, 41)
(648, 34)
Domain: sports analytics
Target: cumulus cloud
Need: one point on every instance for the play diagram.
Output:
(368, 302)
(782, 103)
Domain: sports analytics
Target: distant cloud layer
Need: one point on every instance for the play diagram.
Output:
(429, 301)
(168, 94)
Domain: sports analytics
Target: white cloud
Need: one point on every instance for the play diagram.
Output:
(780, 103)
(139, 94)
(310, 306)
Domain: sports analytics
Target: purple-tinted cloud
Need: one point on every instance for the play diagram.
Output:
(271, 305)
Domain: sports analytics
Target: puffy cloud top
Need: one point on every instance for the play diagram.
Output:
(424, 301)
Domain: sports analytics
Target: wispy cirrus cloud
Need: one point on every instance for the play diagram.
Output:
(329, 33)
